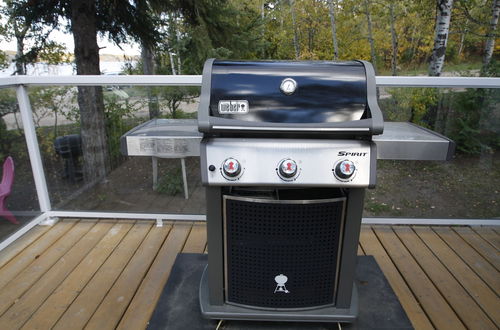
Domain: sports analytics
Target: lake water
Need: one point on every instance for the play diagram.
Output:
(68, 69)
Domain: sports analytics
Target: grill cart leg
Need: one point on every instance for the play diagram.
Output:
(184, 177)
(349, 246)
(215, 244)
(154, 163)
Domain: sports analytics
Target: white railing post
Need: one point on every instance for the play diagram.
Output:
(33, 149)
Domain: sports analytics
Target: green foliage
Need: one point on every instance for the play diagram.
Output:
(493, 68)
(8, 101)
(476, 122)
(117, 112)
(192, 31)
(51, 102)
(471, 118)
(173, 97)
(8, 138)
(180, 114)
(32, 38)
(4, 60)
(4, 145)
(170, 183)
(117, 20)
(417, 105)
(53, 53)
(197, 30)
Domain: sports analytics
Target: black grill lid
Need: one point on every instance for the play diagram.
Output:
(288, 97)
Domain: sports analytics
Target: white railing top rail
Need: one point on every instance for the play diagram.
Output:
(195, 80)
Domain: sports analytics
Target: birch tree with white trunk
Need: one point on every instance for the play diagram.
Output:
(394, 40)
(331, 10)
(371, 41)
(490, 42)
(295, 32)
(443, 18)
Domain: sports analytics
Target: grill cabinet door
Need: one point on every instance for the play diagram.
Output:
(281, 254)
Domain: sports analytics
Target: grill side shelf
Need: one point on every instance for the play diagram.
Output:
(406, 141)
(165, 138)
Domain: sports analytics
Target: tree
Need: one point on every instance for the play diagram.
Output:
(4, 60)
(394, 40)
(295, 30)
(490, 41)
(213, 28)
(371, 41)
(22, 29)
(90, 99)
(85, 19)
(443, 18)
(148, 67)
(191, 33)
(331, 11)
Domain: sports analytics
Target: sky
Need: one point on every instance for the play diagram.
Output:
(67, 40)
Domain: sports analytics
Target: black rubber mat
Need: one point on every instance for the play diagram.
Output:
(178, 307)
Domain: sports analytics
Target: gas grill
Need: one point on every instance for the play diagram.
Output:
(288, 149)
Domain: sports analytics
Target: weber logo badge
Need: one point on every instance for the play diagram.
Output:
(233, 106)
(280, 284)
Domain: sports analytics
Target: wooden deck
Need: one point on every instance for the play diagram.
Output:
(109, 274)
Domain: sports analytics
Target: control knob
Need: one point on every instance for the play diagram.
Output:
(231, 168)
(287, 168)
(344, 169)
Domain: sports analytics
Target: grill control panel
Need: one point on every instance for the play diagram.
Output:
(281, 162)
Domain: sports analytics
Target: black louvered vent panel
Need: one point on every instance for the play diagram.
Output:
(264, 240)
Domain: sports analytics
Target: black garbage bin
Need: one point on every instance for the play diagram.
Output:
(69, 147)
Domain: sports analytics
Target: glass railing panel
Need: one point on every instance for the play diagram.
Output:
(128, 184)
(21, 204)
(466, 186)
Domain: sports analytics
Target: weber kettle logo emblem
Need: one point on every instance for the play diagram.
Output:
(280, 284)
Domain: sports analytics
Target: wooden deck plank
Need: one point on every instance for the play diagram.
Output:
(50, 311)
(435, 306)
(476, 288)
(473, 259)
(142, 306)
(28, 303)
(25, 279)
(197, 239)
(111, 309)
(12, 268)
(488, 234)
(21, 244)
(415, 313)
(82, 308)
(456, 296)
(360, 250)
(77, 289)
(480, 245)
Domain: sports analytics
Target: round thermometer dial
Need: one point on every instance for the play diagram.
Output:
(288, 86)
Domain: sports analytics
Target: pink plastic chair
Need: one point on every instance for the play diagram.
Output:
(5, 189)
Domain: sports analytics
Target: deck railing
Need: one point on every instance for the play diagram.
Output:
(47, 214)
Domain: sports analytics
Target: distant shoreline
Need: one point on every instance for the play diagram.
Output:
(102, 57)
(65, 69)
